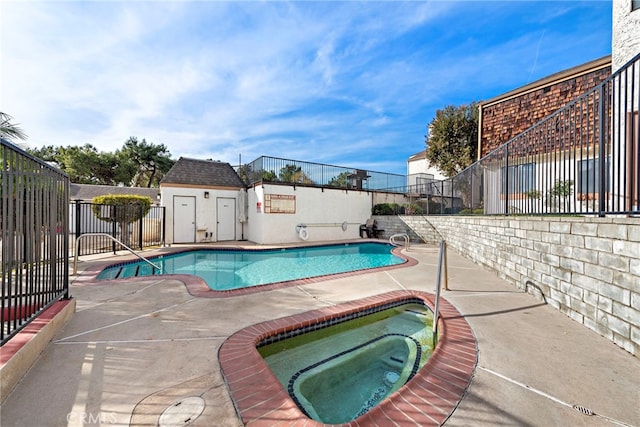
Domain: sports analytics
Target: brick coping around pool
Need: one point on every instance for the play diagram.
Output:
(198, 287)
(428, 399)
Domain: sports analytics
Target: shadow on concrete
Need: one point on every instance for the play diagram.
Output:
(490, 313)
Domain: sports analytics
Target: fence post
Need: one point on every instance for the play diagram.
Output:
(78, 212)
(601, 151)
(164, 223)
(114, 227)
(452, 195)
(471, 206)
(140, 227)
(506, 179)
(65, 241)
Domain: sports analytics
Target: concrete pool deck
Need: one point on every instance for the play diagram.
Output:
(135, 348)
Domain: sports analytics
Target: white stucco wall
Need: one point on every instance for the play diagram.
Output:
(323, 211)
(421, 166)
(626, 33)
(205, 212)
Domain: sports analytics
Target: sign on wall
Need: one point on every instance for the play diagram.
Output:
(279, 203)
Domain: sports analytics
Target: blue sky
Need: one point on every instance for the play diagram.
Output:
(344, 83)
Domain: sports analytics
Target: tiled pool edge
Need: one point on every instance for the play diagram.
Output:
(198, 288)
(428, 399)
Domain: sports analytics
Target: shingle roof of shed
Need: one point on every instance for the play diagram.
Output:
(202, 173)
(89, 191)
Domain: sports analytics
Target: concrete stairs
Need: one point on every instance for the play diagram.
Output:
(416, 227)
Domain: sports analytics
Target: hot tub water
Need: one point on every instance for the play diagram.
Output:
(338, 373)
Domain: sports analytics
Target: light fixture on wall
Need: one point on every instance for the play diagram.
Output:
(206, 194)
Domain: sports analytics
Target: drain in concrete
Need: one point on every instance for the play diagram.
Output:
(583, 410)
(182, 413)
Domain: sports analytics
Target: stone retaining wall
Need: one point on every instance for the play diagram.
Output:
(588, 268)
(391, 225)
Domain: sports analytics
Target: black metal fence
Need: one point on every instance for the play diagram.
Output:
(583, 159)
(34, 238)
(277, 170)
(140, 231)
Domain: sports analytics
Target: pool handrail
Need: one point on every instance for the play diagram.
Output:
(442, 264)
(77, 246)
(404, 236)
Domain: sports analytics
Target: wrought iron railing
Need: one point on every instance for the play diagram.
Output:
(145, 231)
(34, 220)
(277, 170)
(583, 159)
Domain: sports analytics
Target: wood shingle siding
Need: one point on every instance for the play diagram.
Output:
(507, 115)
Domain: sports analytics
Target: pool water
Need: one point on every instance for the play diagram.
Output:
(224, 269)
(337, 373)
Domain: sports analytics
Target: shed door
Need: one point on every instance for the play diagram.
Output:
(184, 219)
(226, 226)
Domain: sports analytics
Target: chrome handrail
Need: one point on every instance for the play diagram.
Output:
(77, 246)
(407, 241)
(442, 264)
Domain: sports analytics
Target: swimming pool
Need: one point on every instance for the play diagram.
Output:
(338, 372)
(228, 269)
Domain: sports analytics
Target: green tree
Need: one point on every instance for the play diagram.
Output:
(557, 195)
(151, 161)
(294, 174)
(80, 163)
(269, 176)
(86, 165)
(10, 131)
(48, 153)
(340, 180)
(452, 141)
(245, 173)
(122, 209)
(138, 163)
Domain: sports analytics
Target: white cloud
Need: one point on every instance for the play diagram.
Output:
(335, 82)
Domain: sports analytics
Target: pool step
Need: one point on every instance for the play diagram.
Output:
(419, 313)
(112, 274)
(132, 271)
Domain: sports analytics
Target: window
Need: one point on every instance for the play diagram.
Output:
(519, 179)
(589, 176)
(635, 5)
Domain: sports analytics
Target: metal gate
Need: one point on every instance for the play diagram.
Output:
(33, 238)
(148, 230)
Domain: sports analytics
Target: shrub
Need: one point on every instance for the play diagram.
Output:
(122, 209)
(387, 209)
(413, 209)
(479, 211)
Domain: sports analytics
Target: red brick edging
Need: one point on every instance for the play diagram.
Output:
(11, 347)
(428, 399)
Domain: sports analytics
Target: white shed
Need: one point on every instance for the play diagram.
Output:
(205, 201)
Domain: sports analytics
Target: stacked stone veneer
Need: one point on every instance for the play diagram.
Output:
(588, 268)
(625, 34)
(391, 225)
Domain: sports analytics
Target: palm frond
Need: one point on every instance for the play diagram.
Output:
(10, 130)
